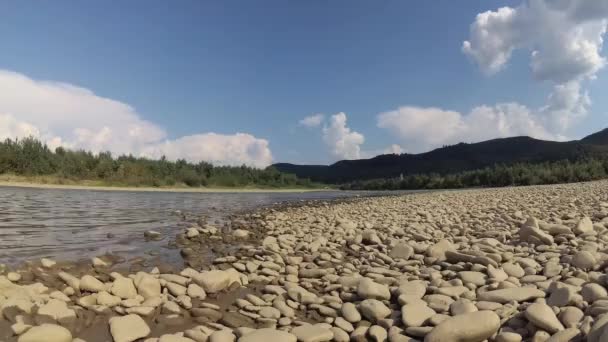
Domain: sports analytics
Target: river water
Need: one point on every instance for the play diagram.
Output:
(78, 224)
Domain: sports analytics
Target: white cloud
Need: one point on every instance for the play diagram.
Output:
(312, 121)
(236, 149)
(564, 39)
(421, 129)
(10, 127)
(343, 142)
(393, 149)
(63, 114)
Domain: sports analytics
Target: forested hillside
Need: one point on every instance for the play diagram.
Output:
(564, 171)
(30, 157)
(456, 159)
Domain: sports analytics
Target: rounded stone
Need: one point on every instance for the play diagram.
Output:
(350, 313)
(267, 335)
(374, 310)
(592, 292)
(46, 333)
(313, 333)
(474, 326)
(368, 289)
(128, 328)
(584, 260)
(543, 317)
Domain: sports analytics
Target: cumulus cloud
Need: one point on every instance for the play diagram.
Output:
(564, 39)
(393, 149)
(75, 117)
(424, 128)
(236, 149)
(344, 143)
(312, 121)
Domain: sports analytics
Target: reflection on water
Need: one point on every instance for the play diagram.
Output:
(76, 224)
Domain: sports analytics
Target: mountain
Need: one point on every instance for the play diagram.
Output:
(455, 158)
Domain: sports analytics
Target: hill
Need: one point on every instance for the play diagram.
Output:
(455, 158)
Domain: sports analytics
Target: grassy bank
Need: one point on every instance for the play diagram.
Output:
(55, 182)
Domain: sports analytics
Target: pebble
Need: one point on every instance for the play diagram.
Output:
(374, 310)
(543, 317)
(128, 328)
(475, 326)
(46, 333)
(415, 315)
(312, 333)
(267, 335)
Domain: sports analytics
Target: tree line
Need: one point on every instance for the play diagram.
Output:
(564, 171)
(31, 157)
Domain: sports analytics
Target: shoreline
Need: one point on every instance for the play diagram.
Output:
(34, 185)
(435, 266)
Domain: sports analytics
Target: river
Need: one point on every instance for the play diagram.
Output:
(78, 224)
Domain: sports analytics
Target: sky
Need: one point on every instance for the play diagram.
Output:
(312, 82)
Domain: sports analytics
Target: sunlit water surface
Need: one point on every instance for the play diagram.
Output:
(78, 224)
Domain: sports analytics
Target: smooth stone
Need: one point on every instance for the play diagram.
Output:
(368, 289)
(518, 294)
(128, 328)
(215, 281)
(438, 250)
(46, 333)
(571, 316)
(47, 263)
(585, 225)
(340, 335)
(513, 270)
(195, 291)
(350, 313)
(472, 277)
(268, 335)
(222, 336)
(124, 288)
(312, 333)
(471, 327)
(148, 286)
(584, 260)
(415, 288)
(58, 311)
(561, 297)
(462, 306)
(530, 229)
(401, 251)
(377, 333)
(565, 335)
(415, 315)
(508, 336)
(91, 284)
(542, 316)
(374, 310)
(592, 292)
(174, 338)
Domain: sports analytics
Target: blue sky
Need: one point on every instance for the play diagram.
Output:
(189, 68)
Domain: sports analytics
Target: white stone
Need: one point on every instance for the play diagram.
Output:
(128, 328)
(46, 333)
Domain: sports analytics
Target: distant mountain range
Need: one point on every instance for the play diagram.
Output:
(455, 158)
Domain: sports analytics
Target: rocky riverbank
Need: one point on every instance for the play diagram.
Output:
(501, 265)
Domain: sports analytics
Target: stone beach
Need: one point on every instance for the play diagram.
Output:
(504, 265)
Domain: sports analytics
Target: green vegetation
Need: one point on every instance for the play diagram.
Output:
(30, 157)
(564, 171)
